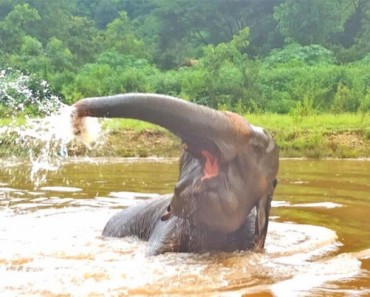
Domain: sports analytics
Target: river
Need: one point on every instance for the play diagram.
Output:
(50, 244)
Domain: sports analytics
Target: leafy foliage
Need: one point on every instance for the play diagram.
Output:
(309, 54)
(311, 22)
(295, 57)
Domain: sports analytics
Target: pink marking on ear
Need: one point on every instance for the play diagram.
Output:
(211, 167)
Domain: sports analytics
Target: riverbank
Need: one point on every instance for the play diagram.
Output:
(315, 136)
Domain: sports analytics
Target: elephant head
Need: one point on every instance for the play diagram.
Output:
(227, 168)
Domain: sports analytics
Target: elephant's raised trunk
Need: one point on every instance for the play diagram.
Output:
(197, 125)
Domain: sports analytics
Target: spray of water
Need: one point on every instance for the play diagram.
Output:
(47, 137)
(19, 91)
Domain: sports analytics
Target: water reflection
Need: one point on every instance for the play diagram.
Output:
(318, 242)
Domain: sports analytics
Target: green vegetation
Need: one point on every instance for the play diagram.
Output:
(247, 56)
(315, 136)
(301, 64)
(318, 136)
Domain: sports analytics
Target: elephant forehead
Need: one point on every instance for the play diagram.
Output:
(239, 124)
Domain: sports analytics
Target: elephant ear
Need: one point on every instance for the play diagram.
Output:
(267, 152)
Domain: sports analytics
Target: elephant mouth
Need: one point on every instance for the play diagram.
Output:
(207, 153)
(200, 175)
(211, 166)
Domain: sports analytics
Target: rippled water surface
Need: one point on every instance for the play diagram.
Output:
(50, 244)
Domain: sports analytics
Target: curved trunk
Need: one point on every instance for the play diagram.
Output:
(197, 125)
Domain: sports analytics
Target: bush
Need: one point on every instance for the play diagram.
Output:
(224, 77)
(364, 107)
(169, 82)
(336, 88)
(112, 73)
(310, 55)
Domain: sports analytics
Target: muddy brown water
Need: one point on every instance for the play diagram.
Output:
(50, 244)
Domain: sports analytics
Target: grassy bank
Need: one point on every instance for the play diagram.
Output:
(319, 136)
(315, 136)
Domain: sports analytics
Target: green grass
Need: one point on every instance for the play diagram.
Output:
(326, 122)
(13, 121)
(315, 136)
(272, 122)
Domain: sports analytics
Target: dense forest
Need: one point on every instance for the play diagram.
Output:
(279, 56)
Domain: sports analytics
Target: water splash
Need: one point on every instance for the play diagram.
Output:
(19, 91)
(46, 138)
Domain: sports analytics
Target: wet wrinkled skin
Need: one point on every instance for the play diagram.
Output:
(227, 177)
(175, 234)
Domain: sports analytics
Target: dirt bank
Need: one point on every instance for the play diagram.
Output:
(131, 143)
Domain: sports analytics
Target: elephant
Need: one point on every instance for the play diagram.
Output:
(227, 176)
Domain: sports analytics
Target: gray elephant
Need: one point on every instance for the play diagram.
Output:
(227, 177)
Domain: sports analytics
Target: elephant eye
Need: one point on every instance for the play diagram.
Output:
(167, 215)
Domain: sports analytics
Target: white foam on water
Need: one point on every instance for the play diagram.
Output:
(313, 275)
(61, 189)
(327, 205)
(132, 195)
(363, 255)
(319, 205)
(3, 189)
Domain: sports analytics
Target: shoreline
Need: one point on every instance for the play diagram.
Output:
(161, 143)
(129, 139)
(149, 159)
(130, 143)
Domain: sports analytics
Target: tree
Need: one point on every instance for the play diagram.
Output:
(105, 12)
(310, 21)
(224, 76)
(172, 31)
(86, 8)
(353, 24)
(121, 37)
(113, 73)
(363, 39)
(31, 46)
(185, 26)
(82, 40)
(54, 19)
(59, 55)
(14, 26)
(6, 6)
(136, 8)
(32, 57)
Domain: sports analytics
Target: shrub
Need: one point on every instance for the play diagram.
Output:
(310, 55)
(112, 73)
(336, 88)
